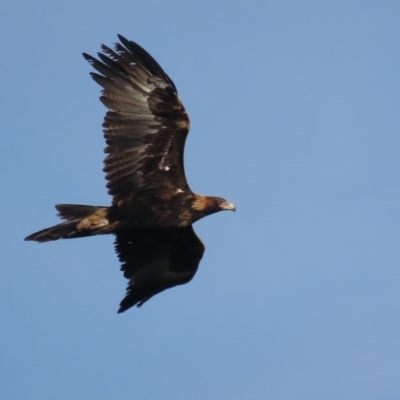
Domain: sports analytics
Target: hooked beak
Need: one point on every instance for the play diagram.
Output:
(227, 205)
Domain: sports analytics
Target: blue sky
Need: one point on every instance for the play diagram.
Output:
(295, 117)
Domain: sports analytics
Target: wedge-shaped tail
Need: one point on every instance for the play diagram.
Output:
(81, 221)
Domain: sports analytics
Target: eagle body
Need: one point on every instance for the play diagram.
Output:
(152, 209)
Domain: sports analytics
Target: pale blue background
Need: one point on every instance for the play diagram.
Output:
(295, 118)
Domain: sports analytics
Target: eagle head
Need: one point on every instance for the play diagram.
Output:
(206, 205)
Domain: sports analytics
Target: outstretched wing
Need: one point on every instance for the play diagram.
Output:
(157, 260)
(146, 125)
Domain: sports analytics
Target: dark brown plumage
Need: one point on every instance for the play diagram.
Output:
(153, 208)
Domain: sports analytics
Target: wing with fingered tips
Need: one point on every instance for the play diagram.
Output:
(146, 125)
(157, 260)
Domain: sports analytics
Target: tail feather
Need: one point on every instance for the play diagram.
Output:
(73, 211)
(81, 221)
(65, 230)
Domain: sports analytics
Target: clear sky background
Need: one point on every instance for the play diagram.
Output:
(295, 117)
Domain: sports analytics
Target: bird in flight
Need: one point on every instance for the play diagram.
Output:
(153, 209)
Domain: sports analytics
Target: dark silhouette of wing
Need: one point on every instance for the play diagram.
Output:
(146, 125)
(157, 260)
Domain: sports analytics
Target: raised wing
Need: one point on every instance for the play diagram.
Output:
(146, 125)
(157, 260)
